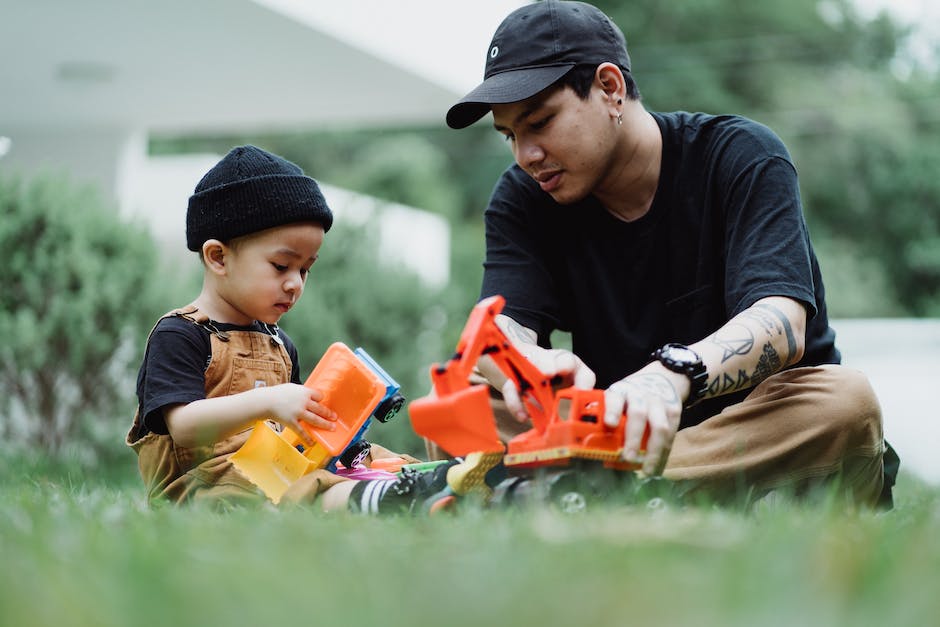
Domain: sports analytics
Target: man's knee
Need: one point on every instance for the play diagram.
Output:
(856, 421)
(853, 408)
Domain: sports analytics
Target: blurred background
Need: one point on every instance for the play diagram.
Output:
(110, 112)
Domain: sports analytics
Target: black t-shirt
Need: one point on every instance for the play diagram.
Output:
(174, 366)
(725, 229)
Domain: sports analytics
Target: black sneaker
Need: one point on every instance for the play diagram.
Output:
(420, 491)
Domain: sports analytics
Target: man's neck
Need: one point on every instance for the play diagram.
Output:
(631, 187)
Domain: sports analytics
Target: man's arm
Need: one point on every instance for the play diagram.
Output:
(759, 341)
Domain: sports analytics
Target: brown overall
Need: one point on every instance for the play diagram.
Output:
(241, 360)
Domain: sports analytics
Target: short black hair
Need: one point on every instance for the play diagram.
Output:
(581, 77)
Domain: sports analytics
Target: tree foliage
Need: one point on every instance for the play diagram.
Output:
(823, 78)
(75, 297)
(864, 138)
(353, 297)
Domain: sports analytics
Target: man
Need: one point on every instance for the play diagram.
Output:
(673, 248)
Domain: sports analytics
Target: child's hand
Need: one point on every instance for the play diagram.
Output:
(291, 404)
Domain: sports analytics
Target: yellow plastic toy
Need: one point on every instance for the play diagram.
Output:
(272, 460)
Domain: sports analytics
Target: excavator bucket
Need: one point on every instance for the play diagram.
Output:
(270, 462)
(461, 423)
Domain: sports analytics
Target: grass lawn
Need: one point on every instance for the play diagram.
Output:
(78, 553)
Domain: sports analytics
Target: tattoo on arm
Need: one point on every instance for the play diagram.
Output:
(734, 339)
(518, 333)
(738, 339)
(724, 383)
(775, 322)
(767, 364)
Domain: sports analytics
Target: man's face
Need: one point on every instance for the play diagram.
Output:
(560, 140)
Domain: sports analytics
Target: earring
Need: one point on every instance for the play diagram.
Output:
(620, 118)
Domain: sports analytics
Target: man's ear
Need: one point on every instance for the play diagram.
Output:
(609, 77)
(214, 253)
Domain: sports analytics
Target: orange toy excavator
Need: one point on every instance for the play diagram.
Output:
(567, 424)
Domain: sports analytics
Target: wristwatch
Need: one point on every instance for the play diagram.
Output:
(682, 359)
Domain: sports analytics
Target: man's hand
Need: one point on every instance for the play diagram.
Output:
(552, 363)
(555, 362)
(652, 398)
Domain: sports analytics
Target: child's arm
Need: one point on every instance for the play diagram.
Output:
(211, 420)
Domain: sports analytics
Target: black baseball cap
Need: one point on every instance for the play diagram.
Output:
(535, 46)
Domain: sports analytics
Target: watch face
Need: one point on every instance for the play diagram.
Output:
(680, 354)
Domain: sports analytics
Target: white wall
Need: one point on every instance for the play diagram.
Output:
(902, 360)
(83, 155)
(157, 190)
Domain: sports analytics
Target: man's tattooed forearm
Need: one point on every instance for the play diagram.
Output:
(768, 363)
(724, 383)
(766, 321)
(775, 322)
(734, 339)
(737, 339)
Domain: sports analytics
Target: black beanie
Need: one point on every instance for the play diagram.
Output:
(248, 191)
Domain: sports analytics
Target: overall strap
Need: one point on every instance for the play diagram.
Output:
(193, 314)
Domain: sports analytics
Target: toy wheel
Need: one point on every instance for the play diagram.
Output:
(355, 453)
(569, 492)
(389, 407)
(571, 502)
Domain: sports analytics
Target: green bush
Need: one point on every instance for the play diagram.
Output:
(76, 294)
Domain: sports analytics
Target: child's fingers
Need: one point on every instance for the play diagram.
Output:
(297, 427)
(321, 410)
(320, 422)
(315, 394)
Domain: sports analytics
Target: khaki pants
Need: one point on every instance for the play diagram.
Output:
(796, 430)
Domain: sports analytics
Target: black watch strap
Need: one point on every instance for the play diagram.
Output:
(682, 359)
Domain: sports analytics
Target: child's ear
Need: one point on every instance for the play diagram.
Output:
(213, 253)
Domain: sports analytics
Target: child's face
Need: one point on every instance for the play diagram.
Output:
(265, 272)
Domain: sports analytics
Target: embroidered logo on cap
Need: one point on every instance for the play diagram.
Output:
(494, 51)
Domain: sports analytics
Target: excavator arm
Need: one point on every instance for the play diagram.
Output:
(458, 415)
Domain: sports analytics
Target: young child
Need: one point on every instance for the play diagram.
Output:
(215, 367)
